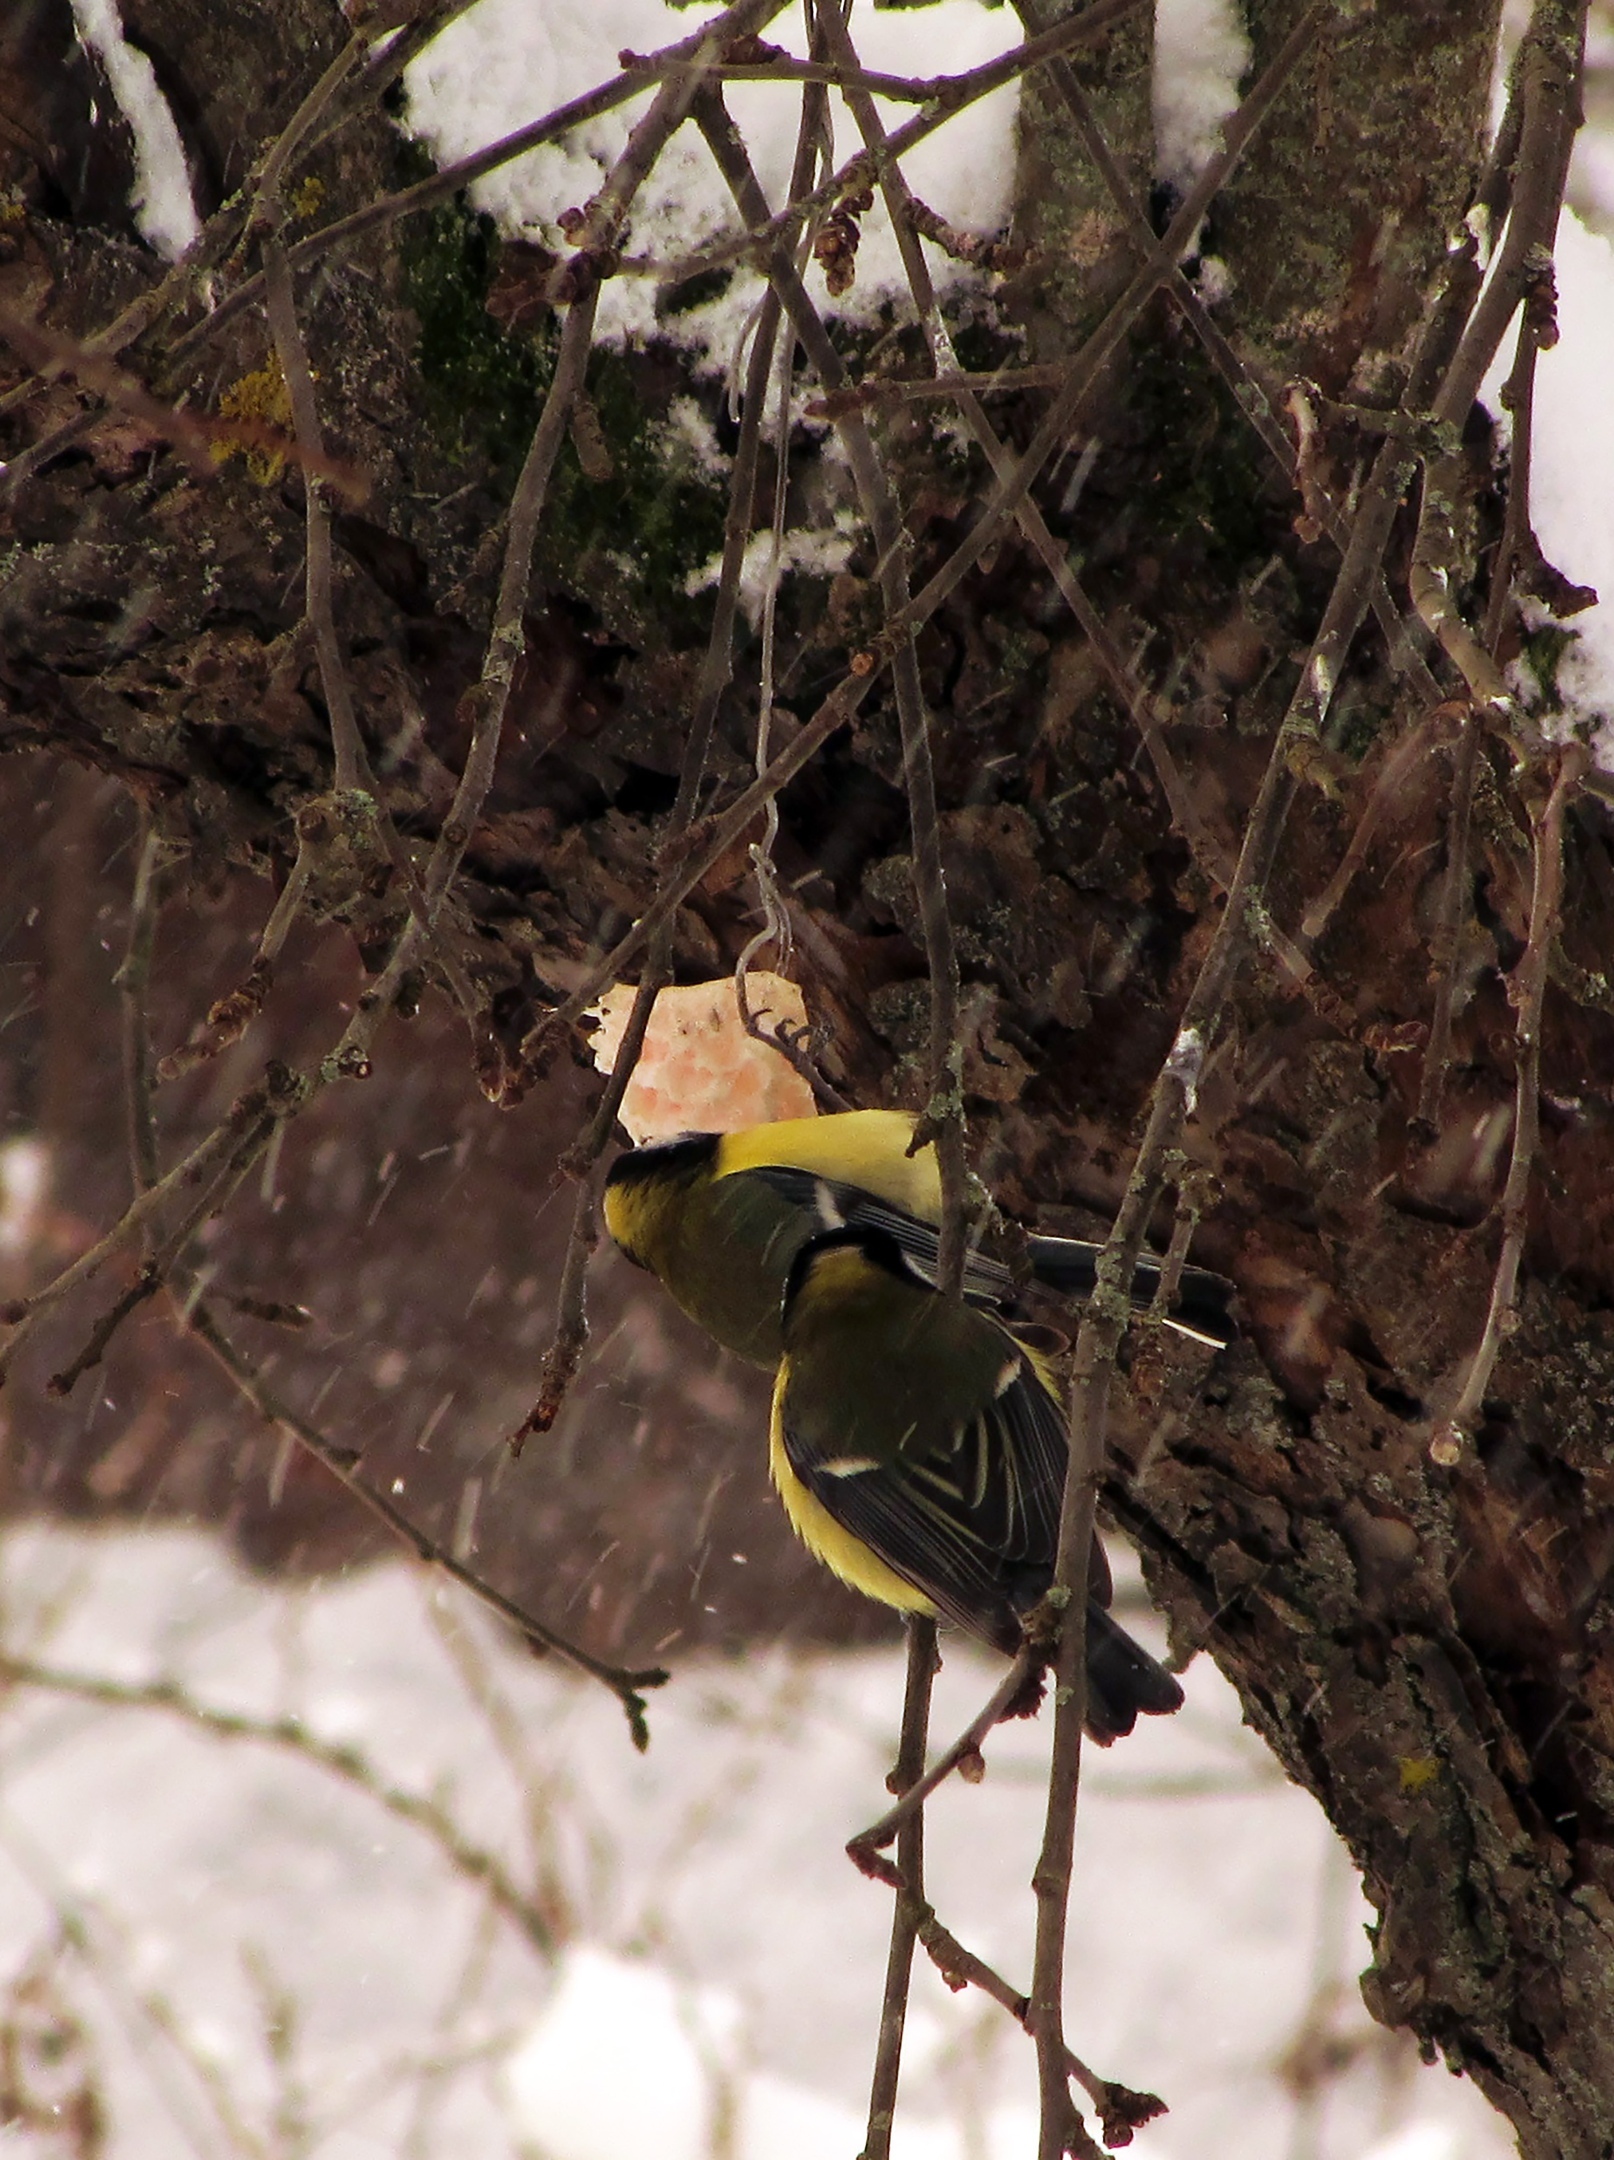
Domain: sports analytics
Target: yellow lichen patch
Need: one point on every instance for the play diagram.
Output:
(261, 396)
(305, 198)
(1417, 1771)
(699, 1070)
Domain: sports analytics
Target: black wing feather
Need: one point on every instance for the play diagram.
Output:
(974, 1525)
(1066, 1265)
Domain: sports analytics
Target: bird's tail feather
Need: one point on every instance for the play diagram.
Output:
(1200, 1309)
(1123, 1680)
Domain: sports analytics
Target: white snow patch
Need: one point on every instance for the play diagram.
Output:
(1200, 55)
(1572, 467)
(821, 551)
(506, 62)
(688, 427)
(165, 212)
(714, 1940)
(625, 2060)
(1418, 2141)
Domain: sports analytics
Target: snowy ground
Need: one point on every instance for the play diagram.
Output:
(238, 1950)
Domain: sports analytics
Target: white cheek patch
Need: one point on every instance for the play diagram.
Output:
(848, 1465)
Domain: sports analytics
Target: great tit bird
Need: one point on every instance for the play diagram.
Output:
(721, 1217)
(920, 1452)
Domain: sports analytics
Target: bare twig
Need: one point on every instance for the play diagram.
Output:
(1175, 1091)
(877, 392)
(1398, 767)
(475, 1862)
(1548, 80)
(1528, 990)
(145, 2015)
(1208, 851)
(1059, 2126)
(293, 356)
(583, 1160)
(868, 1844)
(484, 704)
(229, 1017)
(625, 1683)
(196, 436)
(162, 1259)
(718, 839)
(342, 233)
(1445, 947)
(282, 152)
(1121, 2111)
(905, 1918)
(133, 981)
(844, 701)
(1248, 391)
(278, 1095)
(861, 170)
(944, 1112)
(571, 1312)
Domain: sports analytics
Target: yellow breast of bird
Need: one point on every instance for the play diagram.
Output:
(844, 1555)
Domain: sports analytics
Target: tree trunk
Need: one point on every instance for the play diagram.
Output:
(1419, 1629)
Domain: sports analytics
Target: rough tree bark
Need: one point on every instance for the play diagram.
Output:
(1422, 1636)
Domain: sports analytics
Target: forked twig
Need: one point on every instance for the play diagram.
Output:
(864, 1849)
(280, 1094)
(1121, 2111)
(344, 1464)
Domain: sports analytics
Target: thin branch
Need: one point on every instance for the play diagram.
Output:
(1445, 947)
(162, 1259)
(863, 1850)
(1085, 367)
(944, 1112)
(571, 1312)
(1549, 68)
(229, 1017)
(276, 165)
(279, 1094)
(1548, 79)
(484, 704)
(1248, 392)
(451, 180)
(843, 703)
(343, 1463)
(875, 393)
(583, 1160)
(1105, 1317)
(1121, 2111)
(133, 981)
(1394, 773)
(196, 436)
(1208, 851)
(1059, 2125)
(718, 838)
(910, 1896)
(1528, 990)
(293, 356)
(475, 1862)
